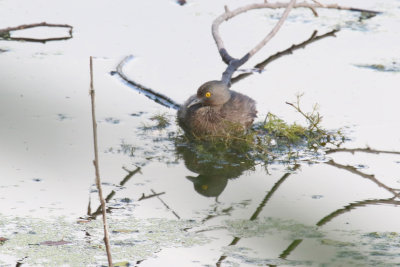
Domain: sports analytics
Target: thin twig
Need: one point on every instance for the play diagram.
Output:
(166, 205)
(96, 166)
(365, 150)
(33, 25)
(274, 30)
(150, 196)
(99, 209)
(261, 66)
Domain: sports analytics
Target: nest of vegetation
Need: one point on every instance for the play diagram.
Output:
(266, 142)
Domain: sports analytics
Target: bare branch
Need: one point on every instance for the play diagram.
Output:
(227, 15)
(5, 33)
(234, 63)
(274, 30)
(33, 25)
(260, 66)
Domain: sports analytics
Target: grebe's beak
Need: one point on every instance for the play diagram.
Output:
(194, 102)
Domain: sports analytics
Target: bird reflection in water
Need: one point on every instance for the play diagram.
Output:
(215, 164)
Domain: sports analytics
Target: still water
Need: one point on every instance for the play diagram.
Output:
(168, 207)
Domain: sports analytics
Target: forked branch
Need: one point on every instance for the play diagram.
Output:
(235, 63)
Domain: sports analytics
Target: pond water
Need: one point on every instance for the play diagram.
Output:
(168, 206)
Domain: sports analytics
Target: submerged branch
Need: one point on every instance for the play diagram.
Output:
(99, 210)
(355, 205)
(150, 196)
(148, 92)
(165, 204)
(260, 207)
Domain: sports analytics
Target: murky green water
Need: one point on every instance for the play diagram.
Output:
(339, 210)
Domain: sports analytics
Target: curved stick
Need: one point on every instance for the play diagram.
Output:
(355, 205)
(150, 93)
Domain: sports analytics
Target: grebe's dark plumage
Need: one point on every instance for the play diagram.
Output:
(217, 110)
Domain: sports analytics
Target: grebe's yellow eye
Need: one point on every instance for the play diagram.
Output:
(208, 94)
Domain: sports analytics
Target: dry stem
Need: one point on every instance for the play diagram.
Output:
(96, 166)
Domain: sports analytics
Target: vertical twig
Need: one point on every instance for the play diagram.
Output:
(96, 166)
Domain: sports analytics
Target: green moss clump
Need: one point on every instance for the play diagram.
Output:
(280, 129)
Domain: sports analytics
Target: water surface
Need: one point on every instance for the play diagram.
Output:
(339, 210)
